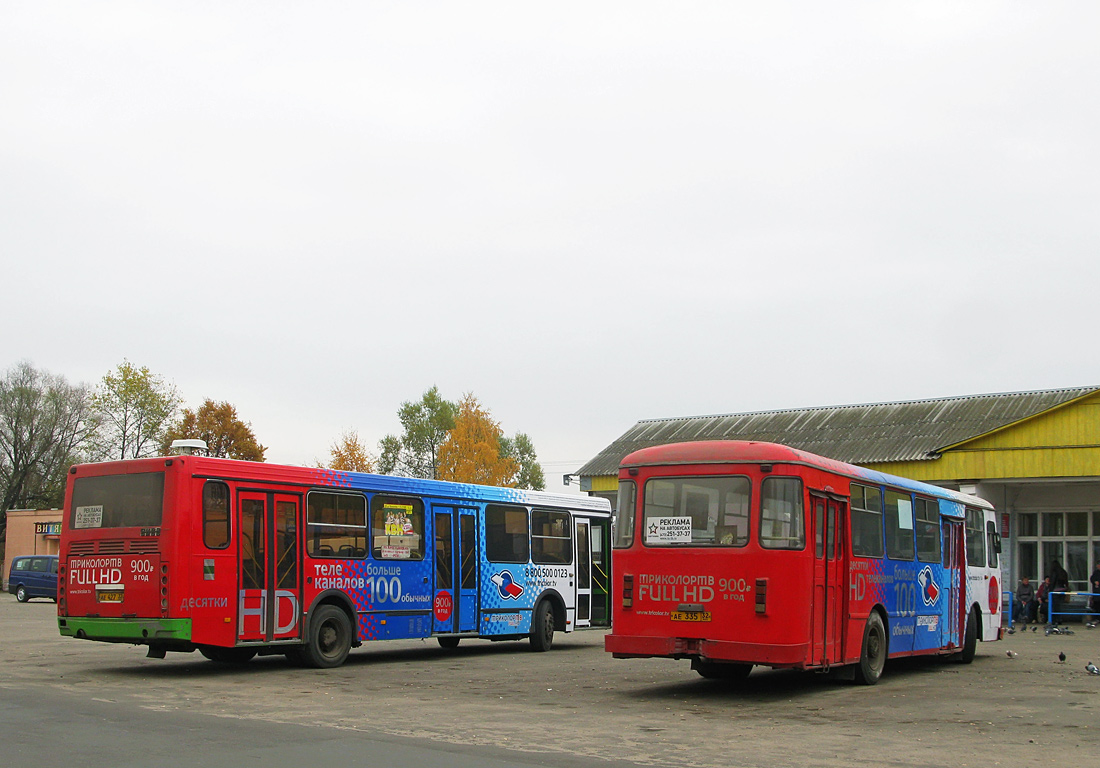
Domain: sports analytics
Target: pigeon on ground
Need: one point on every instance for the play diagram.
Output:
(1092, 669)
(1035, 628)
(1012, 654)
(1061, 658)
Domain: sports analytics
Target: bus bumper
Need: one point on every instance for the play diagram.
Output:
(137, 631)
(640, 646)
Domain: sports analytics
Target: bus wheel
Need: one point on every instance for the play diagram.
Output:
(21, 594)
(448, 642)
(873, 657)
(542, 627)
(717, 670)
(970, 641)
(329, 638)
(228, 655)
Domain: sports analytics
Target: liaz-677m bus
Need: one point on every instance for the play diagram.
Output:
(236, 558)
(733, 554)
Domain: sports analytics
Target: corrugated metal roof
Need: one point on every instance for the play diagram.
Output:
(857, 434)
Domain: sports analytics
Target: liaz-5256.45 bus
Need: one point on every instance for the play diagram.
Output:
(733, 554)
(236, 558)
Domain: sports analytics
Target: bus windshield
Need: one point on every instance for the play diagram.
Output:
(117, 501)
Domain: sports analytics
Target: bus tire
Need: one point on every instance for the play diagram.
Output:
(542, 627)
(970, 639)
(21, 594)
(717, 670)
(329, 638)
(228, 655)
(872, 658)
(447, 642)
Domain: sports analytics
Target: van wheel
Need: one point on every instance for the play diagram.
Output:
(329, 638)
(873, 656)
(21, 594)
(228, 655)
(542, 627)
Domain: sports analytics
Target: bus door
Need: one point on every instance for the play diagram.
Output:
(600, 530)
(954, 563)
(836, 589)
(583, 616)
(455, 605)
(269, 598)
(825, 610)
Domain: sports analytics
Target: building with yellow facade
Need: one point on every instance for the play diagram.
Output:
(1034, 455)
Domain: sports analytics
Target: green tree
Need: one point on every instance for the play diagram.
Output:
(472, 451)
(218, 424)
(522, 451)
(134, 408)
(46, 425)
(416, 452)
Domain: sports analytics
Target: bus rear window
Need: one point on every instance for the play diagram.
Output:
(697, 511)
(118, 501)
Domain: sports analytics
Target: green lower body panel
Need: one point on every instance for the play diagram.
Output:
(126, 630)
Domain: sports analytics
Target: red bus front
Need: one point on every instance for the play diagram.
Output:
(712, 561)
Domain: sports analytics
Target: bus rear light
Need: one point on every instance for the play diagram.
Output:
(628, 590)
(761, 595)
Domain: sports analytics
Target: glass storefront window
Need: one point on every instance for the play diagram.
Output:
(1077, 523)
(1053, 524)
(1077, 564)
(1029, 561)
(1027, 524)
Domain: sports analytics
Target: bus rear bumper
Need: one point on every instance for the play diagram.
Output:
(640, 646)
(137, 631)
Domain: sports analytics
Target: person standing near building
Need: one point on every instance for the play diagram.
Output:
(1025, 601)
(1041, 597)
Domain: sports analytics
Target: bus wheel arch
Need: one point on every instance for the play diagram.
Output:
(875, 648)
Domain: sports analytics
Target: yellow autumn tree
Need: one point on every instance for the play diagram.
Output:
(349, 454)
(471, 453)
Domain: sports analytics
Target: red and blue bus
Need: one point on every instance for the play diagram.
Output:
(235, 558)
(734, 554)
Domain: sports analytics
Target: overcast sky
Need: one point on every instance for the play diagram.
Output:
(584, 213)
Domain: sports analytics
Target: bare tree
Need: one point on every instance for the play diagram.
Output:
(45, 424)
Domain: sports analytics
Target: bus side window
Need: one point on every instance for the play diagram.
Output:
(397, 528)
(215, 515)
(506, 534)
(866, 517)
(782, 523)
(336, 525)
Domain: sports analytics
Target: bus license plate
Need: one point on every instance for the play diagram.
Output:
(113, 596)
(692, 616)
